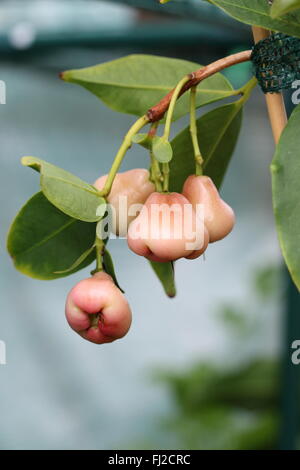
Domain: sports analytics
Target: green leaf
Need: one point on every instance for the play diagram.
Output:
(286, 196)
(135, 83)
(78, 262)
(162, 149)
(257, 12)
(218, 132)
(109, 267)
(42, 240)
(68, 193)
(165, 273)
(281, 7)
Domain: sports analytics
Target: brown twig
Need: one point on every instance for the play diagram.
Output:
(157, 112)
(275, 101)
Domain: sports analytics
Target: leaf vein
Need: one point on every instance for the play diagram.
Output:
(49, 237)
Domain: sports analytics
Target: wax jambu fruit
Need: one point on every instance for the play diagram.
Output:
(97, 310)
(129, 188)
(167, 229)
(219, 218)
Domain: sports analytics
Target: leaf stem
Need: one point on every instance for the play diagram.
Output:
(156, 173)
(171, 108)
(99, 246)
(246, 89)
(166, 135)
(156, 176)
(194, 134)
(126, 144)
(166, 176)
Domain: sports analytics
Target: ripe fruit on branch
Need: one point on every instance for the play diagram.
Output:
(129, 188)
(97, 310)
(219, 218)
(167, 229)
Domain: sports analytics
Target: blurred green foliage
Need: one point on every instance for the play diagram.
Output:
(230, 407)
(226, 409)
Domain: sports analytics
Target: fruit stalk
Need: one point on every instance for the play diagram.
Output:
(126, 144)
(194, 134)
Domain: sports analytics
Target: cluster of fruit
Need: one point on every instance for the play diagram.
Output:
(95, 307)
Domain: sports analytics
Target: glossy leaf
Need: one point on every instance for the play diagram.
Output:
(42, 240)
(109, 267)
(281, 7)
(135, 83)
(78, 262)
(286, 196)
(218, 132)
(257, 12)
(67, 192)
(165, 273)
(162, 150)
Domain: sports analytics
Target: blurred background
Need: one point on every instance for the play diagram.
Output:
(210, 369)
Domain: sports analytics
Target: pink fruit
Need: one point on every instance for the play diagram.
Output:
(167, 229)
(97, 310)
(219, 218)
(129, 188)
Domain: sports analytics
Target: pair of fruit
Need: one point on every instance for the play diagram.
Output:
(95, 307)
(199, 211)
